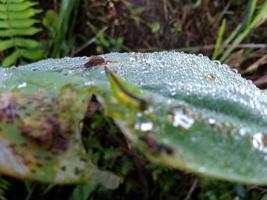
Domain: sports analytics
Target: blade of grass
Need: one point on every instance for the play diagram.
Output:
(233, 35)
(66, 9)
(247, 19)
(218, 44)
(251, 6)
(255, 65)
(257, 21)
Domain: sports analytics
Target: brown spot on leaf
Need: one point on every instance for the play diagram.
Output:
(39, 165)
(155, 146)
(41, 119)
(8, 108)
(50, 134)
(59, 144)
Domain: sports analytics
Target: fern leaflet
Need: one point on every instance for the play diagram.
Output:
(16, 26)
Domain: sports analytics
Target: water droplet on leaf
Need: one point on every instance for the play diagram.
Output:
(144, 126)
(210, 77)
(22, 85)
(180, 119)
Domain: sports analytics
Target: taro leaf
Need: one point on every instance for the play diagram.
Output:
(189, 113)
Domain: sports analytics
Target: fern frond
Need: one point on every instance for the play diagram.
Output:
(27, 23)
(32, 54)
(19, 32)
(6, 7)
(20, 14)
(18, 42)
(17, 22)
(11, 1)
(11, 59)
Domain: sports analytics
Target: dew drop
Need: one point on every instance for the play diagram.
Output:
(234, 70)
(132, 59)
(242, 132)
(144, 126)
(180, 119)
(88, 83)
(210, 77)
(22, 85)
(217, 62)
(259, 141)
(211, 121)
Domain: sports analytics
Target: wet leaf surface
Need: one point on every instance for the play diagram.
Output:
(40, 118)
(182, 111)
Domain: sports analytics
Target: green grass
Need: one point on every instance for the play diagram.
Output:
(251, 20)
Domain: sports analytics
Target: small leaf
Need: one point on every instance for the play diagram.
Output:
(6, 44)
(11, 1)
(19, 42)
(218, 45)
(50, 20)
(82, 192)
(18, 6)
(32, 54)
(11, 59)
(155, 27)
(23, 23)
(25, 14)
(19, 32)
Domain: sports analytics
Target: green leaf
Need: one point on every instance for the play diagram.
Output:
(11, 59)
(219, 40)
(82, 192)
(22, 23)
(19, 42)
(46, 147)
(200, 116)
(259, 18)
(154, 27)
(67, 8)
(25, 14)
(16, 20)
(124, 92)
(11, 1)
(29, 43)
(19, 32)
(6, 44)
(50, 20)
(33, 54)
(17, 6)
(248, 15)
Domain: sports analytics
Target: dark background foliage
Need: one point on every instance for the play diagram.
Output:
(102, 26)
